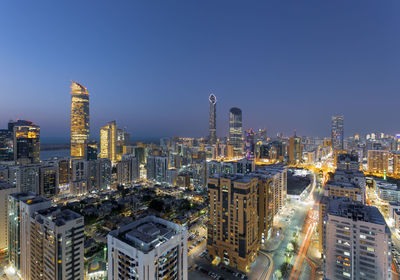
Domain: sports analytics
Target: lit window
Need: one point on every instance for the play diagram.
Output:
(346, 253)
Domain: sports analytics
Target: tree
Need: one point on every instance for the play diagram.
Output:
(157, 205)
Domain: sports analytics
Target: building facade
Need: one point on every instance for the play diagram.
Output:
(80, 126)
(337, 133)
(212, 119)
(236, 131)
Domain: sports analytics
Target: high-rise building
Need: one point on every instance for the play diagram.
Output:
(21, 207)
(128, 170)
(357, 242)
(149, 248)
(48, 180)
(24, 177)
(26, 142)
(5, 190)
(92, 150)
(157, 168)
(108, 141)
(250, 144)
(99, 174)
(213, 119)
(236, 131)
(337, 133)
(80, 126)
(56, 245)
(347, 162)
(7, 142)
(232, 228)
(378, 161)
(295, 150)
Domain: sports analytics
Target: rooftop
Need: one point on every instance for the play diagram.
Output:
(147, 233)
(346, 208)
(58, 216)
(29, 197)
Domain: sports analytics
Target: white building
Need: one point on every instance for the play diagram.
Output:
(5, 190)
(148, 249)
(357, 243)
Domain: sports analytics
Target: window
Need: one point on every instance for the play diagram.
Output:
(346, 253)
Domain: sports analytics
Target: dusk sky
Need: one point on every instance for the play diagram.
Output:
(150, 65)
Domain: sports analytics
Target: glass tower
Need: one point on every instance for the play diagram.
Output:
(26, 141)
(213, 119)
(79, 120)
(235, 130)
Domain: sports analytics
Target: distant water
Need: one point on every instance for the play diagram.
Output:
(54, 153)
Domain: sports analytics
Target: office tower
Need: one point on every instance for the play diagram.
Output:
(265, 206)
(378, 161)
(357, 242)
(235, 131)
(295, 150)
(92, 150)
(232, 228)
(48, 180)
(250, 144)
(149, 248)
(213, 119)
(396, 164)
(21, 207)
(26, 137)
(56, 245)
(80, 126)
(337, 133)
(5, 190)
(347, 162)
(128, 170)
(157, 168)
(199, 174)
(24, 177)
(108, 141)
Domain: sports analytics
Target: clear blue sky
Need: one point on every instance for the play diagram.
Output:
(150, 65)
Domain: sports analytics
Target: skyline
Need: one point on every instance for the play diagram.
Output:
(279, 63)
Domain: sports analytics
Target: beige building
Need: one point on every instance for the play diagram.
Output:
(378, 161)
(232, 235)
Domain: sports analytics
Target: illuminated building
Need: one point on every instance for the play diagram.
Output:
(64, 172)
(337, 133)
(378, 161)
(149, 248)
(357, 242)
(5, 190)
(21, 207)
(295, 150)
(7, 142)
(261, 135)
(236, 131)
(232, 228)
(123, 140)
(396, 164)
(80, 126)
(213, 119)
(26, 142)
(48, 180)
(92, 150)
(99, 174)
(348, 162)
(108, 141)
(56, 245)
(128, 170)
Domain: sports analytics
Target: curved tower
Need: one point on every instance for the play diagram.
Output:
(79, 120)
(213, 119)
(235, 130)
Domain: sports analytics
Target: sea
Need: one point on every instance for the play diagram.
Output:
(59, 153)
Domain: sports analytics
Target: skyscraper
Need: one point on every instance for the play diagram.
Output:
(213, 118)
(108, 141)
(337, 133)
(26, 141)
(295, 150)
(235, 130)
(79, 120)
